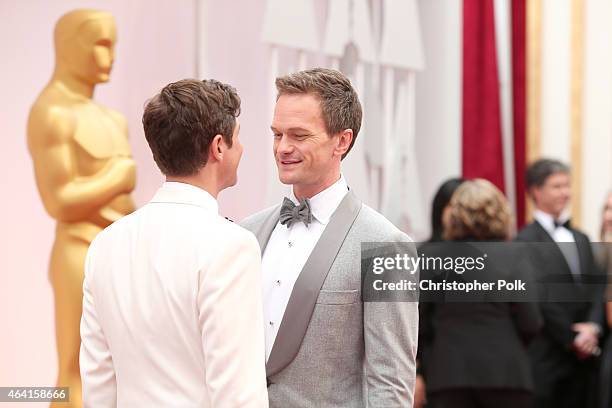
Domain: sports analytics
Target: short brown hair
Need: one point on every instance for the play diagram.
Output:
(478, 211)
(182, 120)
(340, 104)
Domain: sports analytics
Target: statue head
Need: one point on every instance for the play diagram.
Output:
(85, 45)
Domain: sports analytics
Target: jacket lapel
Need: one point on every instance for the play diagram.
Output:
(544, 236)
(306, 289)
(583, 253)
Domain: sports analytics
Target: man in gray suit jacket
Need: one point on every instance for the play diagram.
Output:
(325, 346)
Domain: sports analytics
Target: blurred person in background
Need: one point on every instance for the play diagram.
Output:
(440, 203)
(605, 259)
(564, 355)
(475, 352)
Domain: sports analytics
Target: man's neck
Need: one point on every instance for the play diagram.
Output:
(308, 191)
(205, 183)
(555, 216)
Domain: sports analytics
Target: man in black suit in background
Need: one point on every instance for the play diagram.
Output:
(564, 355)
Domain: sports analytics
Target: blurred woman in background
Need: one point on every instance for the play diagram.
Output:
(604, 256)
(474, 353)
(440, 203)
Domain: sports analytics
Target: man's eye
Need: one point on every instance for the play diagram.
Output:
(277, 135)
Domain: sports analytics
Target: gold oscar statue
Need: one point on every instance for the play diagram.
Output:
(83, 166)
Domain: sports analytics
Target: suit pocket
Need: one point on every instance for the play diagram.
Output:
(338, 297)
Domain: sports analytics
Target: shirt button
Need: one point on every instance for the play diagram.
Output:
(271, 323)
(278, 282)
(290, 244)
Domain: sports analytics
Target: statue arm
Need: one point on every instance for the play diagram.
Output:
(67, 196)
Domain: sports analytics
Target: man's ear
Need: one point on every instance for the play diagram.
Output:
(531, 193)
(217, 148)
(345, 138)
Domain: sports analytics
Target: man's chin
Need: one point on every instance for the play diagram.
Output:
(286, 179)
(563, 206)
(560, 209)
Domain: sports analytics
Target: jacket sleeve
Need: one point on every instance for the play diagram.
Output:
(597, 281)
(391, 336)
(556, 322)
(526, 314)
(99, 385)
(230, 314)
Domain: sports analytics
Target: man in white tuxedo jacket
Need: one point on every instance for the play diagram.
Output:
(172, 312)
(325, 345)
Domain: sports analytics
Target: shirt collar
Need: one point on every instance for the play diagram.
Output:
(183, 193)
(327, 201)
(547, 221)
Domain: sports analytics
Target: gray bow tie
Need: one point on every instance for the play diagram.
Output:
(291, 213)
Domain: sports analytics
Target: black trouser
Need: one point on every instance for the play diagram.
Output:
(480, 398)
(578, 390)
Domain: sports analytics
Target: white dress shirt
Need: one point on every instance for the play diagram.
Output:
(172, 312)
(288, 250)
(547, 221)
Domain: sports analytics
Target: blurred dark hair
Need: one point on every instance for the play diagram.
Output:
(541, 169)
(440, 201)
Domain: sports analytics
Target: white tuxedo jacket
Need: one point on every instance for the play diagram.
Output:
(172, 312)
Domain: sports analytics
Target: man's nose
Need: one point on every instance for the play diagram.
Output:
(284, 145)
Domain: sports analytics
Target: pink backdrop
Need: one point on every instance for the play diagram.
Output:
(234, 54)
(155, 46)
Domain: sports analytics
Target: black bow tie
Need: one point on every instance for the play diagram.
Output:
(559, 224)
(291, 213)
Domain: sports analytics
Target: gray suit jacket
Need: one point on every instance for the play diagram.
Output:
(332, 349)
